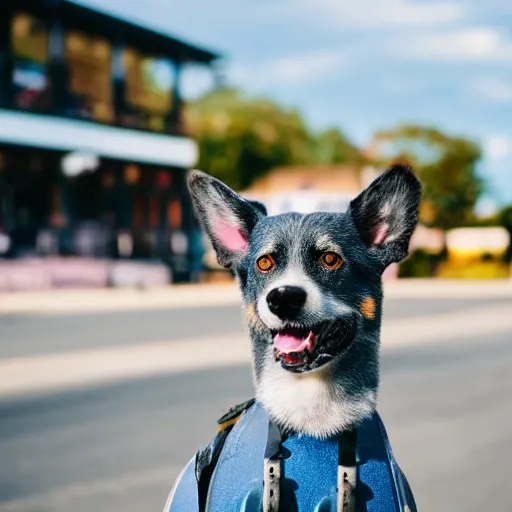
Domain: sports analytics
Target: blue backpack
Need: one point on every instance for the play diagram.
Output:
(251, 467)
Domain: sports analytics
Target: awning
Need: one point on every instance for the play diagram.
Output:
(61, 134)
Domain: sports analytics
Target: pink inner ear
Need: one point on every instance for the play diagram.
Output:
(230, 237)
(381, 233)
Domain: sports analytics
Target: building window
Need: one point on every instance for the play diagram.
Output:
(29, 42)
(90, 78)
(174, 214)
(149, 87)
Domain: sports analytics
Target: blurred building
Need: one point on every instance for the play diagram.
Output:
(307, 189)
(92, 148)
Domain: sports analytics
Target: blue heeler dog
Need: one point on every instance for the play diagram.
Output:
(312, 293)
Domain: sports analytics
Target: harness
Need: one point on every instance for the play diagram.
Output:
(207, 457)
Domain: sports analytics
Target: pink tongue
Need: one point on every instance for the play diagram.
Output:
(288, 343)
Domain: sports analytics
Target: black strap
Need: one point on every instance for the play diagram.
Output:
(236, 411)
(274, 440)
(347, 445)
(347, 471)
(208, 456)
(206, 460)
(272, 469)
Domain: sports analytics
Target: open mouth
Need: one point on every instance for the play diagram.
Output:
(302, 349)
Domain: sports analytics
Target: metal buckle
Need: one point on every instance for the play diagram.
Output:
(271, 484)
(347, 472)
(346, 501)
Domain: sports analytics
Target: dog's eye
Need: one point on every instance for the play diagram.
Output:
(265, 263)
(331, 260)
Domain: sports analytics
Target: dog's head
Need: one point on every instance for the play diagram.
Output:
(311, 286)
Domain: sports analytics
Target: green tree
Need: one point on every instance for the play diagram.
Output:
(504, 218)
(332, 147)
(242, 138)
(446, 165)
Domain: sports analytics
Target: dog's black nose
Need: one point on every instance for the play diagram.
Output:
(286, 301)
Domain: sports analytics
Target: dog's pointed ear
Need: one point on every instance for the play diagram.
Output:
(386, 213)
(227, 218)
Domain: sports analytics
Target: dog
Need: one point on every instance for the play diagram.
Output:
(312, 295)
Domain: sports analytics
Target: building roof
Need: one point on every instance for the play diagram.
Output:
(74, 135)
(324, 178)
(143, 37)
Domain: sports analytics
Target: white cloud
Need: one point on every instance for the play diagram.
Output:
(471, 44)
(294, 69)
(305, 67)
(498, 147)
(486, 207)
(374, 13)
(196, 81)
(493, 89)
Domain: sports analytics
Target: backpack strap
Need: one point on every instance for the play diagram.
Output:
(207, 457)
(272, 469)
(347, 471)
(234, 414)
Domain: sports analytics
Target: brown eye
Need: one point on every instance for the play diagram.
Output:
(265, 263)
(331, 260)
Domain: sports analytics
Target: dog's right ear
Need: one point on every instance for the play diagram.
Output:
(227, 218)
(386, 213)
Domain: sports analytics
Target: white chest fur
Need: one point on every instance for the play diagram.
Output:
(310, 403)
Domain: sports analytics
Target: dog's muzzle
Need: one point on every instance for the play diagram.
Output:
(302, 349)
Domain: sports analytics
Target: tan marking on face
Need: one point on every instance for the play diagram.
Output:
(250, 312)
(253, 318)
(368, 308)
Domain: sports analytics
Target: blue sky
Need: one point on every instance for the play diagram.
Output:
(362, 65)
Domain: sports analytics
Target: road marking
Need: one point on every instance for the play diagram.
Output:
(447, 327)
(50, 372)
(57, 498)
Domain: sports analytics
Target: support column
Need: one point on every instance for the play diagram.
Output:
(163, 224)
(126, 178)
(185, 265)
(65, 235)
(57, 69)
(57, 72)
(5, 57)
(174, 121)
(118, 78)
(123, 216)
(3, 194)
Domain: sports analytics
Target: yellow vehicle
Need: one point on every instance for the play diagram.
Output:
(476, 253)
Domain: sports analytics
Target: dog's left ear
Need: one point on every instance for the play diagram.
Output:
(386, 213)
(227, 218)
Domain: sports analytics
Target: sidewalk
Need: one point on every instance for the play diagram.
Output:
(118, 299)
(59, 302)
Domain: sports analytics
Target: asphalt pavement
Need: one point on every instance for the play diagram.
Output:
(118, 446)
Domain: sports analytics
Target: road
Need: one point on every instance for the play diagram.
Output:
(446, 403)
